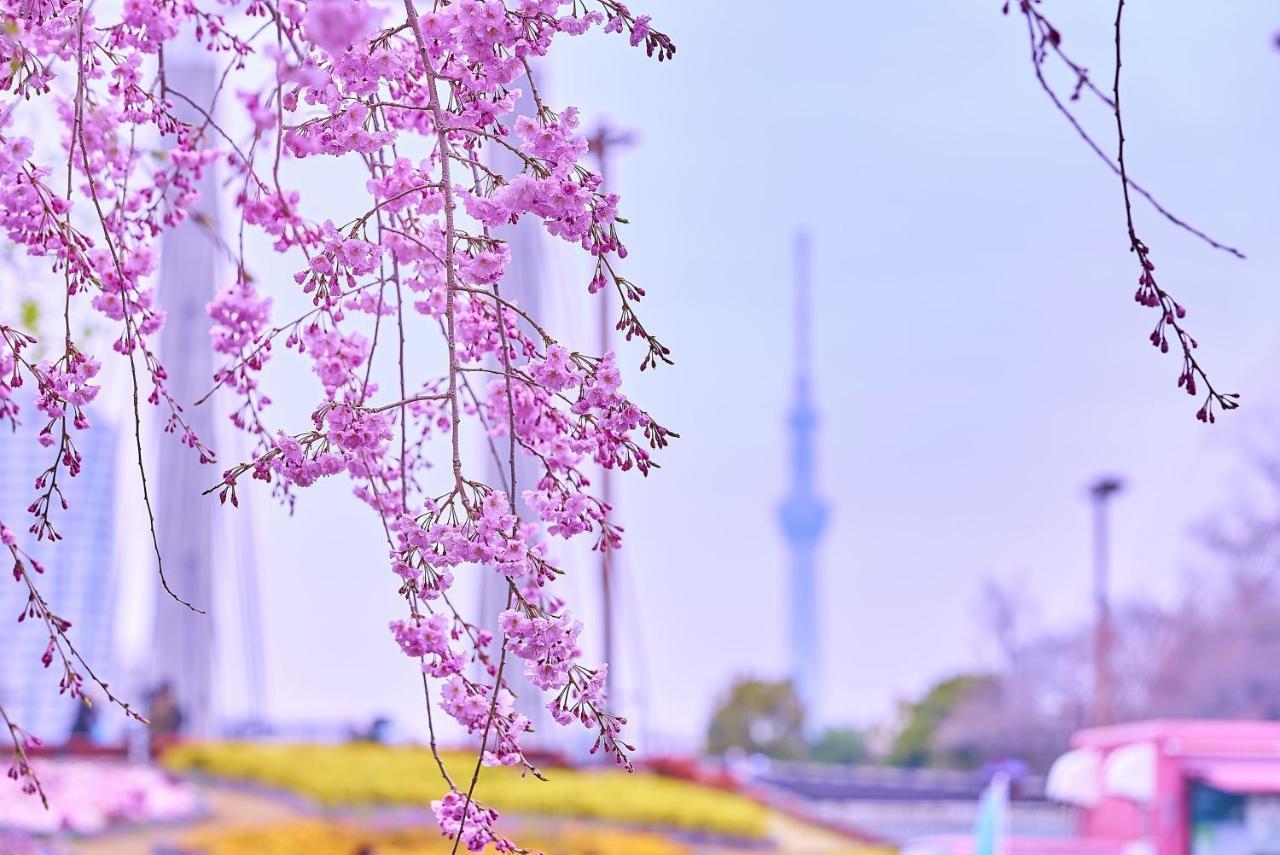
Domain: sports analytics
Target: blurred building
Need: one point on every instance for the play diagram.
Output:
(524, 285)
(80, 579)
(182, 667)
(206, 665)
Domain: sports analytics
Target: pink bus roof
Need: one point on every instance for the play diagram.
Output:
(1190, 737)
(1237, 776)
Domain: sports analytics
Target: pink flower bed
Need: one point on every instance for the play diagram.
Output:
(90, 796)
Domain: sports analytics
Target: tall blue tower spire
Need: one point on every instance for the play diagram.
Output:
(803, 513)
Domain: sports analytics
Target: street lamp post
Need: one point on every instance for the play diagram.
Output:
(602, 143)
(1100, 493)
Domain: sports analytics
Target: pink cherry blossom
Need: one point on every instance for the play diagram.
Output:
(409, 341)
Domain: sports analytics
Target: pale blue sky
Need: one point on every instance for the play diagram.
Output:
(979, 354)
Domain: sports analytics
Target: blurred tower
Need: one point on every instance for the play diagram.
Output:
(80, 580)
(183, 652)
(803, 513)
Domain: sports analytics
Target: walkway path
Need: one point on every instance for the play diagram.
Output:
(233, 805)
(228, 805)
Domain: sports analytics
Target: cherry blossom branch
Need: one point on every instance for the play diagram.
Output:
(131, 339)
(1149, 292)
(20, 769)
(1045, 39)
(422, 249)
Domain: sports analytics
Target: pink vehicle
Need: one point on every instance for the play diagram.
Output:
(1160, 788)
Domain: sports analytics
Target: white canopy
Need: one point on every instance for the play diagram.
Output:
(1075, 778)
(1130, 772)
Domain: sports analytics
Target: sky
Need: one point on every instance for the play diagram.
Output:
(978, 355)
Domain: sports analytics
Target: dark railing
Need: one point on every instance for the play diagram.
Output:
(884, 783)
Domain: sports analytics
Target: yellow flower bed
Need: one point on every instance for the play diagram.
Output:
(365, 773)
(327, 838)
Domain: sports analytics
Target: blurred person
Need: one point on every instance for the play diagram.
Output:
(84, 728)
(165, 715)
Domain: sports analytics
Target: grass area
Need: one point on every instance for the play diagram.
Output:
(329, 838)
(356, 774)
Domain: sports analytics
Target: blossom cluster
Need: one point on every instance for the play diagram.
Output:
(67, 385)
(470, 822)
(549, 645)
(420, 101)
(428, 639)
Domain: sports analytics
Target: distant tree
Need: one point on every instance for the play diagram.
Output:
(917, 742)
(1209, 655)
(1213, 655)
(759, 717)
(1040, 692)
(842, 745)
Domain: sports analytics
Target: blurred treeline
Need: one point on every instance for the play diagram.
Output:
(1210, 652)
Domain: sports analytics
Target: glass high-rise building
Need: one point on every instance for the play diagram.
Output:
(79, 579)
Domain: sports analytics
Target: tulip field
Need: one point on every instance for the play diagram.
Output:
(362, 798)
